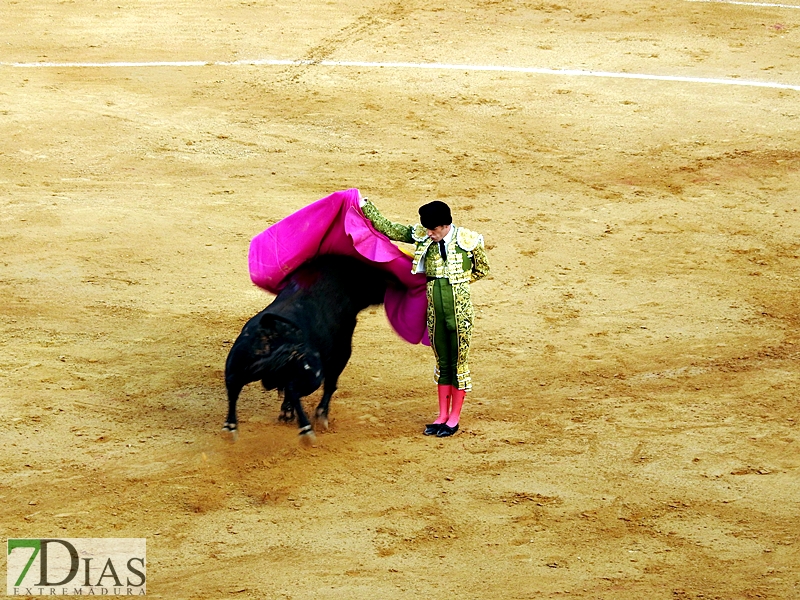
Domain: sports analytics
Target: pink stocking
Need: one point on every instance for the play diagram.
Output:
(455, 410)
(444, 403)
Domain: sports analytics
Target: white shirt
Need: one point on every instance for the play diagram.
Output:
(446, 239)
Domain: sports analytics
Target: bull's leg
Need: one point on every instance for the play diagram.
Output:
(287, 410)
(305, 429)
(333, 369)
(321, 414)
(231, 423)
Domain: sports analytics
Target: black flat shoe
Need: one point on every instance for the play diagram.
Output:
(432, 429)
(445, 431)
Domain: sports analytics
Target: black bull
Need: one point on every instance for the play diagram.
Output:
(305, 336)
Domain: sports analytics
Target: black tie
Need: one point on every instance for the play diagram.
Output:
(442, 251)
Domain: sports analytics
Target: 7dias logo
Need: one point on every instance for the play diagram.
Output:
(77, 567)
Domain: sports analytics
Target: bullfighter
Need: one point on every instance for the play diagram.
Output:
(452, 258)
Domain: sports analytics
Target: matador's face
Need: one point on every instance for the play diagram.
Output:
(437, 234)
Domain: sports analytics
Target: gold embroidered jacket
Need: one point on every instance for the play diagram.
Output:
(466, 255)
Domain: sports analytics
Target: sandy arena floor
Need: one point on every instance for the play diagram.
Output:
(633, 429)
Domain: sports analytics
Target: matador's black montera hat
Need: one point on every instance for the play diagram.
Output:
(434, 213)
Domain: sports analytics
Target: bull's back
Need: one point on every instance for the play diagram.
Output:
(319, 305)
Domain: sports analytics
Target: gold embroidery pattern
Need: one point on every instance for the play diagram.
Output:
(480, 264)
(422, 249)
(431, 321)
(434, 265)
(467, 238)
(419, 233)
(457, 269)
(455, 263)
(465, 317)
(394, 231)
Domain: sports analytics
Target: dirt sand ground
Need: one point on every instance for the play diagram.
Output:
(633, 428)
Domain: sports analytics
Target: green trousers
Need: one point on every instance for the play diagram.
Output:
(450, 318)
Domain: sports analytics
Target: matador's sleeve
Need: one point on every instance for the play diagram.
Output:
(394, 231)
(480, 263)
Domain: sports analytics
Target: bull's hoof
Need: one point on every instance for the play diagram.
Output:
(307, 437)
(286, 417)
(322, 419)
(233, 429)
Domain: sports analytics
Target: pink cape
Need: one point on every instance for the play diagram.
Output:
(336, 225)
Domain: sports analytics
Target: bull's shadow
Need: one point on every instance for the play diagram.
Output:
(304, 337)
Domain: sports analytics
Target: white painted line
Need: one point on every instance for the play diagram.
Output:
(96, 65)
(768, 5)
(566, 72)
(409, 65)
